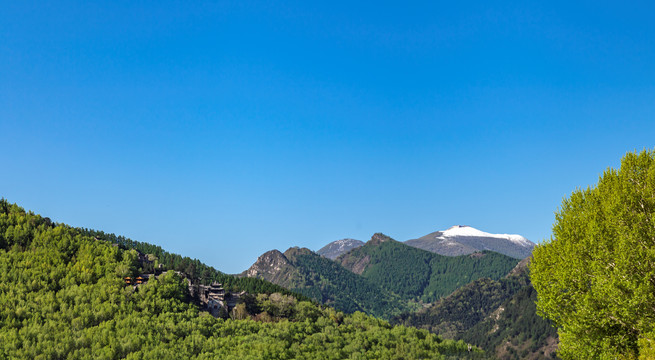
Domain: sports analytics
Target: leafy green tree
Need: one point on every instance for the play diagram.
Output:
(595, 278)
(239, 312)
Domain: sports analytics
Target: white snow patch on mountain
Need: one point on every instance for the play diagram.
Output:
(463, 230)
(343, 243)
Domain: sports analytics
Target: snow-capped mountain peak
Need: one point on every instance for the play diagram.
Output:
(465, 230)
(463, 239)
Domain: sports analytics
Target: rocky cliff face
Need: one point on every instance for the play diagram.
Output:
(272, 266)
(379, 238)
(521, 269)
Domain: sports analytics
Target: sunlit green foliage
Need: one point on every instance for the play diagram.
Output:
(193, 268)
(62, 296)
(596, 277)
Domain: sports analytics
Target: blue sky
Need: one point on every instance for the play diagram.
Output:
(222, 130)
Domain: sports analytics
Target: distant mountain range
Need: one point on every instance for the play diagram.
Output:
(456, 240)
(383, 277)
(461, 283)
(303, 271)
(420, 275)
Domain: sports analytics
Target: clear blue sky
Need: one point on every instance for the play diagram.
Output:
(222, 130)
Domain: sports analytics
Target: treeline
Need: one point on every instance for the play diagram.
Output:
(62, 295)
(194, 269)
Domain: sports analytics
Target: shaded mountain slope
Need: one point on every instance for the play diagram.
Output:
(514, 330)
(462, 309)
(468, 305)
(497, 315)
(305, 272)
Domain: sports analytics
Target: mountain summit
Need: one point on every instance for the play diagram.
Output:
(463, 240)
(336, 248)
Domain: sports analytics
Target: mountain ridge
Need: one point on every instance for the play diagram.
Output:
(419, 274)
(464, 239)
(325, 281)
(399, 276)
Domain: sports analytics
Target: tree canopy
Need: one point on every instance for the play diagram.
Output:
(595, 278)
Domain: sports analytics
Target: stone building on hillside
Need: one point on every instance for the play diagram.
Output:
(212, 298)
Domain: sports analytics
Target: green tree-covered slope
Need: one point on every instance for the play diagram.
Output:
(62, 296)
(497, 315)
(323, 280)
(383, 278)
(515, 331)
(416, 274)
(194, 269)
(461, 310)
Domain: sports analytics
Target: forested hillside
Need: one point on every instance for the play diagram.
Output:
(515, 331)
(62, 295)
(418, 274)
(464, 308)
(194, 269)
(383, 278)
(323, 280)
(497, 315)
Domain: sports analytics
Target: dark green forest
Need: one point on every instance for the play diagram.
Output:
(420, 275)
(499, 316)
(463, 309)
(62, 295)
(516, 331)
(332, 284)
(383, 278)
